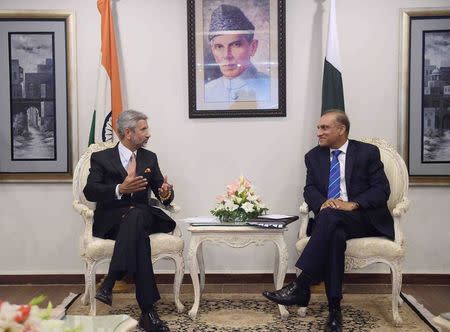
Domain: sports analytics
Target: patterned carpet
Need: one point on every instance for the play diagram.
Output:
(253, 313)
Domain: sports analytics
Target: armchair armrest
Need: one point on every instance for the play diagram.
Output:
(177, 231)
(171, 208)
(88, 218)
(304, 219)
(399, 210)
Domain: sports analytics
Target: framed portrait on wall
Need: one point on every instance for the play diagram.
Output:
(425, 95)
(236, 58)
(37, 96)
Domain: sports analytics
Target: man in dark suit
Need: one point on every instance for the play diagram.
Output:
(347, 190)
(119, 182)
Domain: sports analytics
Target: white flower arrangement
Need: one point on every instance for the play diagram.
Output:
(30, 318)
(240, 202)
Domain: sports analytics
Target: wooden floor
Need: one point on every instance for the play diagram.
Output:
(435, 298)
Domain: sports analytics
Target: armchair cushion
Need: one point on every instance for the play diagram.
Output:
(366, 247)
(160, 243)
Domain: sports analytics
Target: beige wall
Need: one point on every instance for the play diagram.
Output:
(39, 229)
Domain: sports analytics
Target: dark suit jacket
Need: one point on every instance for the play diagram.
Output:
(106, 173)
(365, 180)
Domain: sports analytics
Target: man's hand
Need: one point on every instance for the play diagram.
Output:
(132, 184)
(339, 204)
(166, 190)
(330, 203)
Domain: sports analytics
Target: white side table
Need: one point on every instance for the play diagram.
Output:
(236, 237)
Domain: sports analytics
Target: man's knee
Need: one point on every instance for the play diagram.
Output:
(338, 237)
(137, 217)
(327, 215)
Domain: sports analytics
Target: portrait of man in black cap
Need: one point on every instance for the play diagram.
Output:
(232, 42)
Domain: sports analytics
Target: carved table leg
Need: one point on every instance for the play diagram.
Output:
(276, 267)
(201, 265)
(193, 269)
(282, 268)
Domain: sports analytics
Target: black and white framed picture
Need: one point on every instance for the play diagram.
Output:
(425, 95)
(37, 94)
(236, 56)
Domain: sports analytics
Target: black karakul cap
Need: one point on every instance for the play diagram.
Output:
(228, 18)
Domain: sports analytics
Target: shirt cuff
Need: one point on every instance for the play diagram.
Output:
(118, 194)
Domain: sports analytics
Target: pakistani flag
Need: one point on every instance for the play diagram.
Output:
(108, 100)
(332, 91)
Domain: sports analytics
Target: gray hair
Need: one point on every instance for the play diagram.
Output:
(341, 118)
(128, 119)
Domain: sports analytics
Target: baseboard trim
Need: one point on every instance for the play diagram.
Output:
(350, 278)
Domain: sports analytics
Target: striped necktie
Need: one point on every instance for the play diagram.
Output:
(334, 183)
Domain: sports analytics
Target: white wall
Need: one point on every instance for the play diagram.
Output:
(39, 230)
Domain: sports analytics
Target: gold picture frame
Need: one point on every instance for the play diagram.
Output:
(423, 118)
(38, 140)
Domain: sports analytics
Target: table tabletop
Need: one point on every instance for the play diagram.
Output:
(233, 228)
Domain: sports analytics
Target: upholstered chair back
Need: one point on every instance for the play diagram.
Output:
(82, 171)
(395, 170)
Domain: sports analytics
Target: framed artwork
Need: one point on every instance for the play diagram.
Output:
(37, 96)
(236, 58)
(424, 116)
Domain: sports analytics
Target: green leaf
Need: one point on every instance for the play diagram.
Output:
(37, 300)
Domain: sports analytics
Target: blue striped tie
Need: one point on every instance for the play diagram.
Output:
(334, 183)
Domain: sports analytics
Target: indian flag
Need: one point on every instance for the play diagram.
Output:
(332, 90)
(108, 100)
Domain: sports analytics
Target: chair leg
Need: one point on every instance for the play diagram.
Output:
(396, 287)
(90, 285)
(179, 274)
(85, 296)
(201, 266)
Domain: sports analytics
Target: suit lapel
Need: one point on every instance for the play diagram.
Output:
(349, 162)
(324, 162)
(117, 163)
(140, 164)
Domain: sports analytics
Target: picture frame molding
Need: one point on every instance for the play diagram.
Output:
(404, 134)
(71, 90)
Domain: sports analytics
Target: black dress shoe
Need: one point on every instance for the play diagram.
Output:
(334, 321)
(290, 294)
(151, 322)
(104, 295)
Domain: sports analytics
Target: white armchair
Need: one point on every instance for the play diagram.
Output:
(366, 251)
(95, 251)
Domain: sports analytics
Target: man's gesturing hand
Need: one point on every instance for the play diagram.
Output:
(132, 184)
(166, 190)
